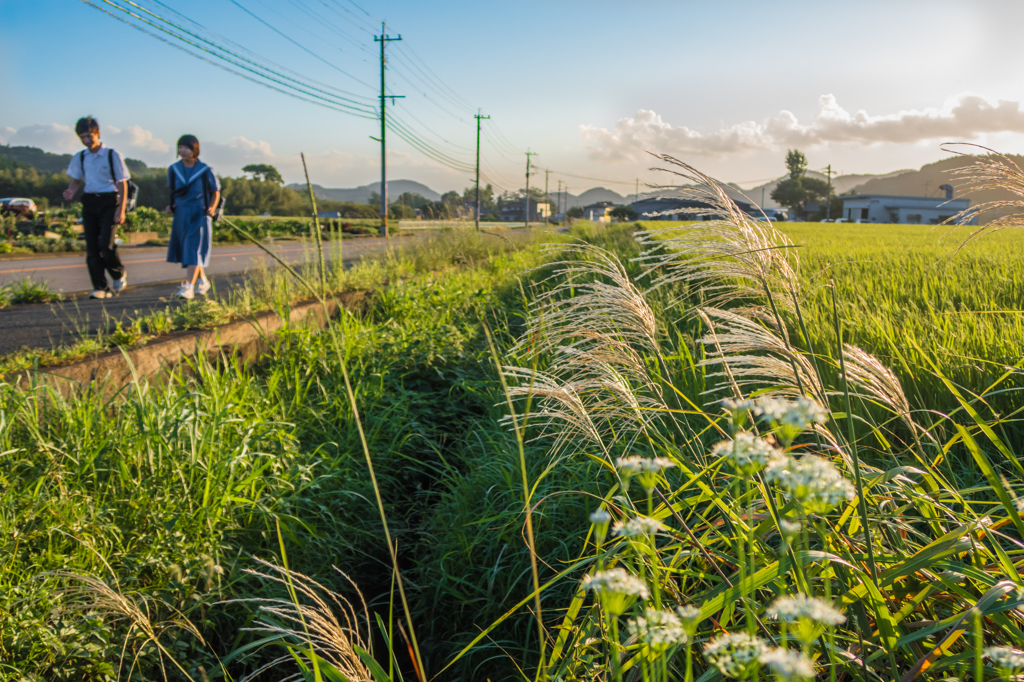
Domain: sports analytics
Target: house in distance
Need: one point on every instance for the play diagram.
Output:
(886, 208)
(675, 208)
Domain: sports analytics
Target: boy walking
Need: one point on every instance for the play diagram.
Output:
(105, 176)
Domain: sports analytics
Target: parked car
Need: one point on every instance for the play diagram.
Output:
(23, 208)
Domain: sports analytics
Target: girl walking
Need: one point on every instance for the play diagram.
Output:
(195, 194)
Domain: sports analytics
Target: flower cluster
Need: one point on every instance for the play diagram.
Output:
(788, 665)
(748, 454)
(616, 580)
(788, 417)
(816, 484)
(650, 470)
(1006, 659)
(689, 616)
(735, 654)
(640, 526)
(659, 630)
(799, 414)
(798, 607)
(629, 466)
(616, 588)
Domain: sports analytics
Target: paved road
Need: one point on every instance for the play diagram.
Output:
(145, 265)
(151, 285)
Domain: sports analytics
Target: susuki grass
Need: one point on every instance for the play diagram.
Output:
(676, 454)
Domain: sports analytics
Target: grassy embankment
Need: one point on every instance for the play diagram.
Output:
(167, 494)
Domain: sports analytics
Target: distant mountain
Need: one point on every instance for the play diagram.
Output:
(45, 162)
(361, 195)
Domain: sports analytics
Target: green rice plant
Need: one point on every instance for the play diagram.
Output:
(795, 526)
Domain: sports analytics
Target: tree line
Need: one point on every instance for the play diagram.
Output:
(259, 190)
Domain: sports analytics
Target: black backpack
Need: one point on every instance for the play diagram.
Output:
(219, 213)
(132, 198)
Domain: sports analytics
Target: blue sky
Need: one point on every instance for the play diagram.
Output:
(869, 87)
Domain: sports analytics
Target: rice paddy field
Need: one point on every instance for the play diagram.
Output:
(613, 455)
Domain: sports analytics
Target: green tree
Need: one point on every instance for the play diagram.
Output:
(796, 162)
(264, 172)
(790, 193)
(574, 212)
(623, 213)
(374, 199)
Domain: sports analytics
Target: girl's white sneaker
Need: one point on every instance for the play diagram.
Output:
(185, 291)
(203, 287)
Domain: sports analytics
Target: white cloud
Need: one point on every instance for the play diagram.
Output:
(964, 117)
(134, 140)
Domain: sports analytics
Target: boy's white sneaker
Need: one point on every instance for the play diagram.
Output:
(120, 284)
(100, 293)
(203, 287)
(185, 291)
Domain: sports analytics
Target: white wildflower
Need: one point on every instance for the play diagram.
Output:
(1005, 659)
(747, 453)
(790, 417)
(789, 529)
(600, 516)
(735, 655)
(793, 608)
(738, 411)
(650, 470)
(809, 615)
(638, 527)
(789, 665)
(659, 630)
(629, 466)
(689, 616)
(616, 588)
(816, 484)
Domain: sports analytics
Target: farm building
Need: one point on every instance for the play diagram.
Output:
(674, 208)
(512, 212)
(886, 208)
(598, 212)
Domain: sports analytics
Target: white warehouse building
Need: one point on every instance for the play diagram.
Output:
(886, 208)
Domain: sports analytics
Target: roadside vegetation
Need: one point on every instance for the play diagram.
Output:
(678, 453)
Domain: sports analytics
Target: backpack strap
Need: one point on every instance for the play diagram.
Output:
(82, 159)
(110, 162)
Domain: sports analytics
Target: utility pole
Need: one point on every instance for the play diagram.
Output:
(559, 199)
(547, 197)
(478, 118)
(527, 212)
(384, 39)
(828, 197)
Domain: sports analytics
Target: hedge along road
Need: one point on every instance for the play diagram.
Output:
(151, 284)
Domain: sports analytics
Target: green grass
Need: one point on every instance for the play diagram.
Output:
(168, 492)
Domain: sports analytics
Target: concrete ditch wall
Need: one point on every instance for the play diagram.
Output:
(109, 373)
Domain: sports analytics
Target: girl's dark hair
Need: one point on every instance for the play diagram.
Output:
(87, 125)
(190, 141)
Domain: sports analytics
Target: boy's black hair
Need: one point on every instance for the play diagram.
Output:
(87, 125)
(190, 141)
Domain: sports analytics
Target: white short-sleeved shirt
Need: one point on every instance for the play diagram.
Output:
(98, 179)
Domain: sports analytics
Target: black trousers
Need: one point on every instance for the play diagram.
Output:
(98, 228)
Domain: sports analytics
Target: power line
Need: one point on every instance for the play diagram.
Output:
(330, 101)
(296, 43)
